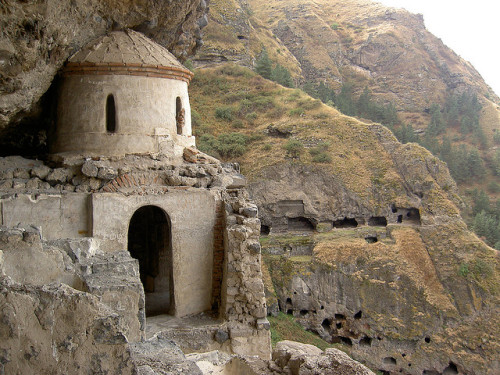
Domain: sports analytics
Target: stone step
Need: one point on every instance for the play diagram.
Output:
(111, 264)
(106, 283)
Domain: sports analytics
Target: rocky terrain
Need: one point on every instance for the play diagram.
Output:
(387, 49)
(365, 245)
(361, 44)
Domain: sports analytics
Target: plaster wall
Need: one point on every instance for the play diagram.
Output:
(57, 216)
(145, 111)
(192, 215)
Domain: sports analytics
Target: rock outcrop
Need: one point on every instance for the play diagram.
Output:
(56, 329)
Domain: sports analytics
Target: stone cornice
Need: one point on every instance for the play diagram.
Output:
(131, 69)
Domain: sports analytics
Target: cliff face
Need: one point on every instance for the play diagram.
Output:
(38, 36)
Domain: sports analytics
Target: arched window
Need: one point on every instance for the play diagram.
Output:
(179, 115)
(110, 114)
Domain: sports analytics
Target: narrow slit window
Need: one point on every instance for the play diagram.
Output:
(110, 114)
(179, 115)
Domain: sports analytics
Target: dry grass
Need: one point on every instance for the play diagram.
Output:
(357, 157)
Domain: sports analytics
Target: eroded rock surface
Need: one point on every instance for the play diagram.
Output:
(58, 330)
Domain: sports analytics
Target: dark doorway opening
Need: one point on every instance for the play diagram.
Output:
(149, 241)
(110, 114)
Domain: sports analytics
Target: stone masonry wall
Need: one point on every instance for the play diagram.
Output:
(244, 298)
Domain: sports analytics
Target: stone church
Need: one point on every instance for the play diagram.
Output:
(127, 210)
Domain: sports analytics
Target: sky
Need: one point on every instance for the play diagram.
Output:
(470, 28)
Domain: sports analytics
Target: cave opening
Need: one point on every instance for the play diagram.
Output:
(345, 223)
(326, 323)
(265, 229)
(345, 340)
(149, 241)
(413, 216)
(300, 224)
(377, 221)
(451, 369)
(365, 341)
(389, 361)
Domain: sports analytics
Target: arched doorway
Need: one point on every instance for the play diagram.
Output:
(149, 241)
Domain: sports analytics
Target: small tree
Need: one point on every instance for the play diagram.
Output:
(437, 124)
(293, 148)
(263, 65)
(281, 75)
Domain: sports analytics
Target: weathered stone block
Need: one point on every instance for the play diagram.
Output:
(221, 336)
(90, 169)
(249, 210)
(41, 171)
(59, 175)
(107, 173)
(254, 247)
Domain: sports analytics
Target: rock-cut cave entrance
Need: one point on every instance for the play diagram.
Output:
(150, 242)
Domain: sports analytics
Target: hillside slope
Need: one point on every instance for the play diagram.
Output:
(367, 59)
(357, 222)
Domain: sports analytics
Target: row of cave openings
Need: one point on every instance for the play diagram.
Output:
(410, 216)
(112, 119)
(339, 322)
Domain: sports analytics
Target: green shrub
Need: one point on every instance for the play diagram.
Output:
(232, 144)
(276, 112)
(195, 118)
(189, 64)
(238, 124)
(224, 113)
(322, 157)
(463, 270)
(493, 187)
(225, 145)
(334, 26)
(293, 148)
(263, 65)
(251, 117)
(297, 112)
(235, 71)
(294, 95)
(267, 147)
(480, 268)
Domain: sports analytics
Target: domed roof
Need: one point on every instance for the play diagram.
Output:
(126, 52)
